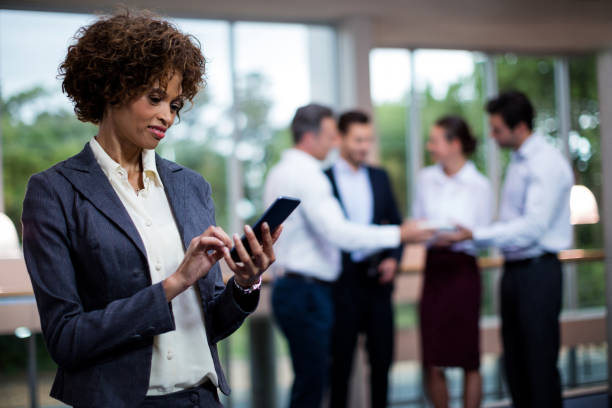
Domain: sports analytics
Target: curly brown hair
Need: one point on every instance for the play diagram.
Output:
(118, 57)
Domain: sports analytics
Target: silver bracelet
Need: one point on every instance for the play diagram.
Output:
(248, 290)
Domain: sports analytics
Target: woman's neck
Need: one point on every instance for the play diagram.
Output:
(126, 154)
(454, 165)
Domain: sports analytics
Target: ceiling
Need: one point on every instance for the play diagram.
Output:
(542, 26)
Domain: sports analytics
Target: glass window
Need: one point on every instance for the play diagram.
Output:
(447, 82)
(585, 152)
(390, 88)
(584, 140)
(450, 83)
(202, 139)
(279, 67)
(535, 77)
(38, 126)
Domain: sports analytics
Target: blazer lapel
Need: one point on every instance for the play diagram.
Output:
(332, 180)
(173, 179)
(86, 175)
(376, 196)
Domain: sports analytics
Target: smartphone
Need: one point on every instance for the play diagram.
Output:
(275, 215)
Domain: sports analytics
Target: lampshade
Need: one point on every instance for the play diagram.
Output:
(583, 206)
(9, 241)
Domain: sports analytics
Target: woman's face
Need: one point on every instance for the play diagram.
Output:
(143, 122)
(438, 146)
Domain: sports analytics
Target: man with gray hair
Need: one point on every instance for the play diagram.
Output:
(309, 250)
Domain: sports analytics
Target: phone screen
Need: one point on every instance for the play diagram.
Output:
(275, 215)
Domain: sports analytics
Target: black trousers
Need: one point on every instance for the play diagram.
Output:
(361, 305)
(304, 312)
(204, 396)
(530, 307)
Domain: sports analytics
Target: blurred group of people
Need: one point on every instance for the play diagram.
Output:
(341, 250)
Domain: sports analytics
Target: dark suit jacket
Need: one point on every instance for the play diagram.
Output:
(385, 211)
(88, 266)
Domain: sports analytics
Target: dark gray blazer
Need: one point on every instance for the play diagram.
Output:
(98, 308)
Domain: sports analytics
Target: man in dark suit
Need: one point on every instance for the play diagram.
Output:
(362, 294)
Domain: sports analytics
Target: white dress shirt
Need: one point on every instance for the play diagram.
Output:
(355, 191)
(465, 198)
(181, 358)
(314, 234)
(534, 215)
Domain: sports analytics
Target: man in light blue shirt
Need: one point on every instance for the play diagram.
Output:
(533, 226)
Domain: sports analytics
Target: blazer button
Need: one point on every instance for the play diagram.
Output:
(195, 398)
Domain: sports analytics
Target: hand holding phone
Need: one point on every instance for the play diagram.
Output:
(275, 215)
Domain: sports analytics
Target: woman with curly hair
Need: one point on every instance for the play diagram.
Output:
(121, 245)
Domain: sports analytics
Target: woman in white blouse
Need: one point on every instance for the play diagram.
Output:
(121, 245)
(449, 193)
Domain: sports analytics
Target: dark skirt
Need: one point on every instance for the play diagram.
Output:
(450, 309)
